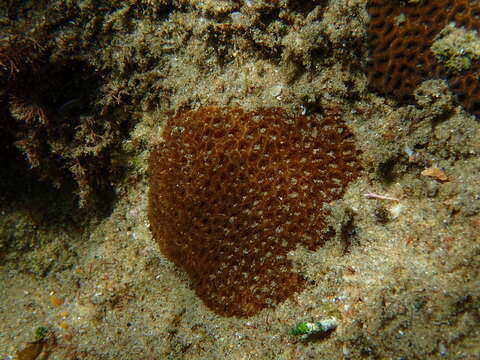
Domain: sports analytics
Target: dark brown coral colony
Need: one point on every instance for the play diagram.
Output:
(400, 36)
(232, 192)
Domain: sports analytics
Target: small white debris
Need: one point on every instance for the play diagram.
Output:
(276, 90)
(442, 349)
(396, 210)
(408, 151)
(370, 195)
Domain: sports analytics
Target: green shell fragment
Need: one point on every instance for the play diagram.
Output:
(307, 328)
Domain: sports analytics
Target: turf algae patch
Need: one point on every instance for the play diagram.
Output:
(232, 192)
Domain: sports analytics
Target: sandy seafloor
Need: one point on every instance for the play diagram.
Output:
(403, 279)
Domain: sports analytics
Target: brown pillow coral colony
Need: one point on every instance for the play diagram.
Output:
(232, 192)
(401, 34)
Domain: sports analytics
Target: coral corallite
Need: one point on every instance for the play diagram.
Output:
(232, 192)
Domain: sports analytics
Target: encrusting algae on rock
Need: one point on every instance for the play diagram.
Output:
(232, 192)
(456, 48)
